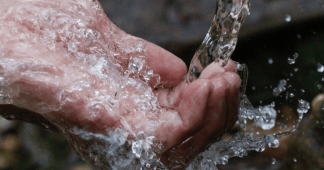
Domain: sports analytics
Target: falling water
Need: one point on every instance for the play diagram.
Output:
(221, 38)
(218, 46)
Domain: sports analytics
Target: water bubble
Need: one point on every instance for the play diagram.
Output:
(302, 90)
(323, 79)
(287, 18)
(293, 60)
(296, 69)
(320, 68)
(273, 161)
(253, 88)
(270, 61)
(295, 160)
(136, 63)
(319, 86)
(291, 95)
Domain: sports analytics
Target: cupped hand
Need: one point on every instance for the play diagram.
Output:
(65, 64)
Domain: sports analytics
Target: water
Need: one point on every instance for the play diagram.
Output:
(287, 18)
(280, 88)
(270, 61)
(222, 36)
(78, 68)
(320, 68)
(263, 116)
(94, 66)
(273, 161)
(293, 60)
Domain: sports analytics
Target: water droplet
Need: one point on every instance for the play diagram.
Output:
(302, 90)
(320, 68)
(303, 106)
(265, 117)
(270, 61)
(319, 86)
(287, 18)
(293, 60)
(253, 88)
(273, 161)
(280, 88)
(295, 160)
(296, 69)
(46, 126)
(291, 95)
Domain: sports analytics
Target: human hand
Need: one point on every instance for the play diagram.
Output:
(66, 65)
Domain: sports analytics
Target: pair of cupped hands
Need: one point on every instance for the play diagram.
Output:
(194, 115)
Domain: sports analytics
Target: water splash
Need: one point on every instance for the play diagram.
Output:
(222, 36)
(280, 88)
(293, 60)
(87, 61)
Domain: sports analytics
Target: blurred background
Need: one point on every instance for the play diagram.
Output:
(274, 31)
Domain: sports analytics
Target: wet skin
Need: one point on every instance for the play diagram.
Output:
(194, 115)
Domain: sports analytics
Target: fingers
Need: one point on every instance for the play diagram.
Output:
(230, 66)
(171, 98)
(232, 98)
(220, 113)
(171, 68)
(213, 124)
(214, 69)
(188, 119)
